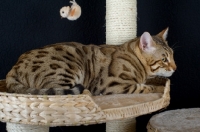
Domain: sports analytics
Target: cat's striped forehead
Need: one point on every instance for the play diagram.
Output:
(158, 40)
(163, 43)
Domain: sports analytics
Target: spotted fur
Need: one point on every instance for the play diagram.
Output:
(69, 68)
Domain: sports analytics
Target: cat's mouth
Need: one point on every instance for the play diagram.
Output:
(168, 74)
(165, 73)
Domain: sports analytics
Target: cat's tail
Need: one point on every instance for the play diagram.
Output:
(77, 89)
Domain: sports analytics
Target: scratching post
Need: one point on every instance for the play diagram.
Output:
(127, 125)
(121, 26)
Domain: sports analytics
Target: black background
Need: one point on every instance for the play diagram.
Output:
(29, 24)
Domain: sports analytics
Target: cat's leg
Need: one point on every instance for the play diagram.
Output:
(133, 89)
(152, 85)
(145, 88)
(17, 87)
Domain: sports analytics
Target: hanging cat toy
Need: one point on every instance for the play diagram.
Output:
(71, 13)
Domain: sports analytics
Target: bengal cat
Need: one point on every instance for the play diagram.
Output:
(70, 67)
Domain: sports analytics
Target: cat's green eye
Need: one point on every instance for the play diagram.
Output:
(164, 59)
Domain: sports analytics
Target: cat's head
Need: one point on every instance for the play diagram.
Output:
(157, 54)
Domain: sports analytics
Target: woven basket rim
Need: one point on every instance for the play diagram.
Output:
(41, 96)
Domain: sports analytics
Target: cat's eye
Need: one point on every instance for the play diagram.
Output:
(164, 59)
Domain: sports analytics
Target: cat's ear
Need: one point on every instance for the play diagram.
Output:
(164, 33)
(146, 43)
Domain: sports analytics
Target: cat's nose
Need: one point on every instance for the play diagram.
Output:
(174, 67)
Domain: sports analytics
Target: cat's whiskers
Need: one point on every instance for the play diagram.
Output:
(174, 46)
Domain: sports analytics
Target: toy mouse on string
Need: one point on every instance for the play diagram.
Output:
(71, 13)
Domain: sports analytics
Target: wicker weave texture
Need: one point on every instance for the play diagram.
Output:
(78, 109)
(49, 110)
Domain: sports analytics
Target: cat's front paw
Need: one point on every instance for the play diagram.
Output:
(87, 92)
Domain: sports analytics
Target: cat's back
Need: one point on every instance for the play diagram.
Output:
(52, 64)
(47, 54)
(49, 60)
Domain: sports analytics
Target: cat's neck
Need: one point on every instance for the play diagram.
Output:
(140, 56)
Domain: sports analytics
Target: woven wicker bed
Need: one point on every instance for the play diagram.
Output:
(78, 109)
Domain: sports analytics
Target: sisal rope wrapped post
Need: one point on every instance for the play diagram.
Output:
(12, 127)
(127, 125)
(121, 26)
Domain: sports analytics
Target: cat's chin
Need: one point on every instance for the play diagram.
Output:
(166, 74)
